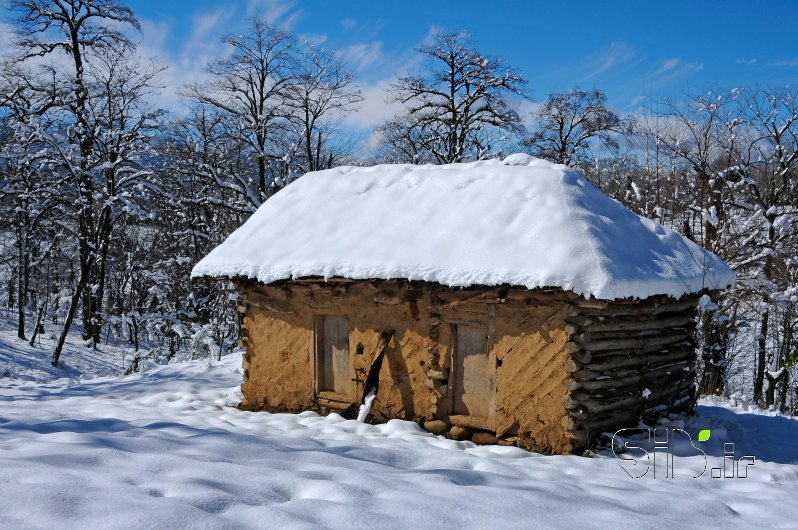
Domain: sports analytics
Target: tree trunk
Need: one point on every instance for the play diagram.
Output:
(73, 306)
(770, 391)
(38, 326)
(85, 279)
(759, 376)
(785, 388)
(309, 138)
(262, 177)
(714, 354)
(11, 301)
(22, 275)
(98, 294)
(96, 308)
(712, 381)
(135, 333)
(85, 187)
(20, 307)
(221, 346)
(688, 231)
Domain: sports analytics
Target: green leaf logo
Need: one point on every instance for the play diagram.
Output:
(703, 435)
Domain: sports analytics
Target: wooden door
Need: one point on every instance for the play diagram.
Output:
(335, 363)
(473, 373)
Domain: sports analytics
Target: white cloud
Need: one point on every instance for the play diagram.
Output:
(208, 29)
(672, 69)
(362, 56)
(6, 30)
(377, 70)
(153, 34)
(433, 31)
(62, 62)
(316, 39)
(785, 64)
(669, 64)
(348, 23)
(275, 12)
(371, 143)
(750, 61)
(616, 55)
(526, 109)
(186, 63)
(374, 109)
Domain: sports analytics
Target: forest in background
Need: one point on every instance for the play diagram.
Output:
(107, 202)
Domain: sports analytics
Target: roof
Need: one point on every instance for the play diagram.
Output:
(521, 221)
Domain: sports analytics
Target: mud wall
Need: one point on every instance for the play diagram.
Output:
(530, 377)
(280, 338)
(526, 338)
(566, 368)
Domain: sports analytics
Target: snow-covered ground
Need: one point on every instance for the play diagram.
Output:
(20, 361)
(167, 449)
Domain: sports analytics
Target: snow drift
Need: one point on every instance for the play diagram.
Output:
(168, 449)
(521, 221)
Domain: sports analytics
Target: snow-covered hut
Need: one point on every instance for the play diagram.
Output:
(512, 301)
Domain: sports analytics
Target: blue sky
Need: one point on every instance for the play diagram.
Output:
(631, 50)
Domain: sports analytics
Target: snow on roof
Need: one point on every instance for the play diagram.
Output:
(521, 221)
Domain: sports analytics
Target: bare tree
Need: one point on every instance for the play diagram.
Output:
(30, 190)
(730, 162)
(765, 166)
(321, 96)
(205, 151)
(125, 123)
(453, 110)
(403, 140)
(568, 122)
(698, 137)
(82, 142)
(250, 87)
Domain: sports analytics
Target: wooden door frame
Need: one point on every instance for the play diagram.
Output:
(463, 420)
(326, 397)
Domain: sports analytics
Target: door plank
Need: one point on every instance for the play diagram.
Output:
(336, 365)
(328, 331)
(474, 381)
(340, 353)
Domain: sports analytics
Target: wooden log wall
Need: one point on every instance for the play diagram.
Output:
(629, 359)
